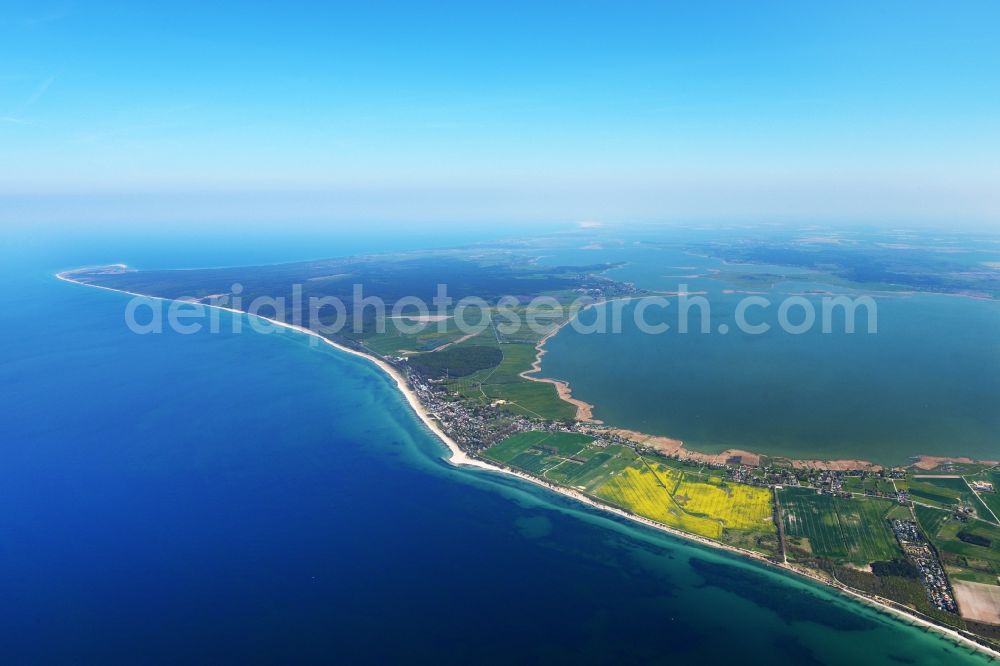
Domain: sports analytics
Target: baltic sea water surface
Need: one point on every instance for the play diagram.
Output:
(243, 498)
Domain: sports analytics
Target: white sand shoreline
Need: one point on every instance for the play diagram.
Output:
(458, 457)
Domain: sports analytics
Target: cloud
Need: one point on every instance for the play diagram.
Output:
(39, 93)
(42, 19)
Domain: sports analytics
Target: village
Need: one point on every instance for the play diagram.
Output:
(920, 553)
(477, 426)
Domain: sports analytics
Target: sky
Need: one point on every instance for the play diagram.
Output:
(579, 111)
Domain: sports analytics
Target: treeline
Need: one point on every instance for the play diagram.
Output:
(902, 589)
(456, 361)
(975, 539)
(895, 567)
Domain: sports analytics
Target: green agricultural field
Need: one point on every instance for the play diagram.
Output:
(503, 385)
(992, 500)
(972, 545)
(939, 492)
(514, 445)
(521, 396)
(522, 331)
(680, 495)
(565, 443)
(581, 470)
(602, 464)
(810, 521)
(430, 335)
(947, 493)
(899, 512)
(538, 451)
(532, 399)
(848, 530)
(866, 531)
(931, 520)
(856, 484)
(570, 459)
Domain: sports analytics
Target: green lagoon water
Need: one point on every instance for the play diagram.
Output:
(928, 382)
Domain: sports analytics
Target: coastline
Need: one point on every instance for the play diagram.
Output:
(457, 457)
(584, 410)
(667, 445)
(671, 446)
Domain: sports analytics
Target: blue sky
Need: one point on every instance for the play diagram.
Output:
(613, 110)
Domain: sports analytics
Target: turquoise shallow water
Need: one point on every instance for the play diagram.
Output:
(235, 498)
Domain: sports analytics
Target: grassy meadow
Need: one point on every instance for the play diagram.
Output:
(852, 530)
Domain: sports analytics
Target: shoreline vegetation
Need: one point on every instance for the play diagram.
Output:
(458, 457)
(584, 410)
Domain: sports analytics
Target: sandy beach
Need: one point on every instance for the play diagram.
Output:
(458, 457)
(883, 605)
(584, 410)
(675, 448)
(668, 446)
(840, 465)
(930, 462)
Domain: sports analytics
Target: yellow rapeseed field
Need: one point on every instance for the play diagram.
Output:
(688, 502)
(642, 492)
(738, 506)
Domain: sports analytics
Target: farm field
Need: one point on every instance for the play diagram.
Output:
(641, 491)
(693, 471)
(738, 506)
(992, 500)
(943, 492)
(585, 468)
(856, 484)
(522, 396)
(978, 601)
(931, 520)
(948, 492)
(972, 546)
(400, 336)
(537, 451)
(810, 522)
(849, 530)
(694, 501)
(677, 495)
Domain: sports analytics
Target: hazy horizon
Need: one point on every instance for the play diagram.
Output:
(854, 111)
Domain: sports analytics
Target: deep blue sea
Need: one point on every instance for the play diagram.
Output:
(223, 498)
